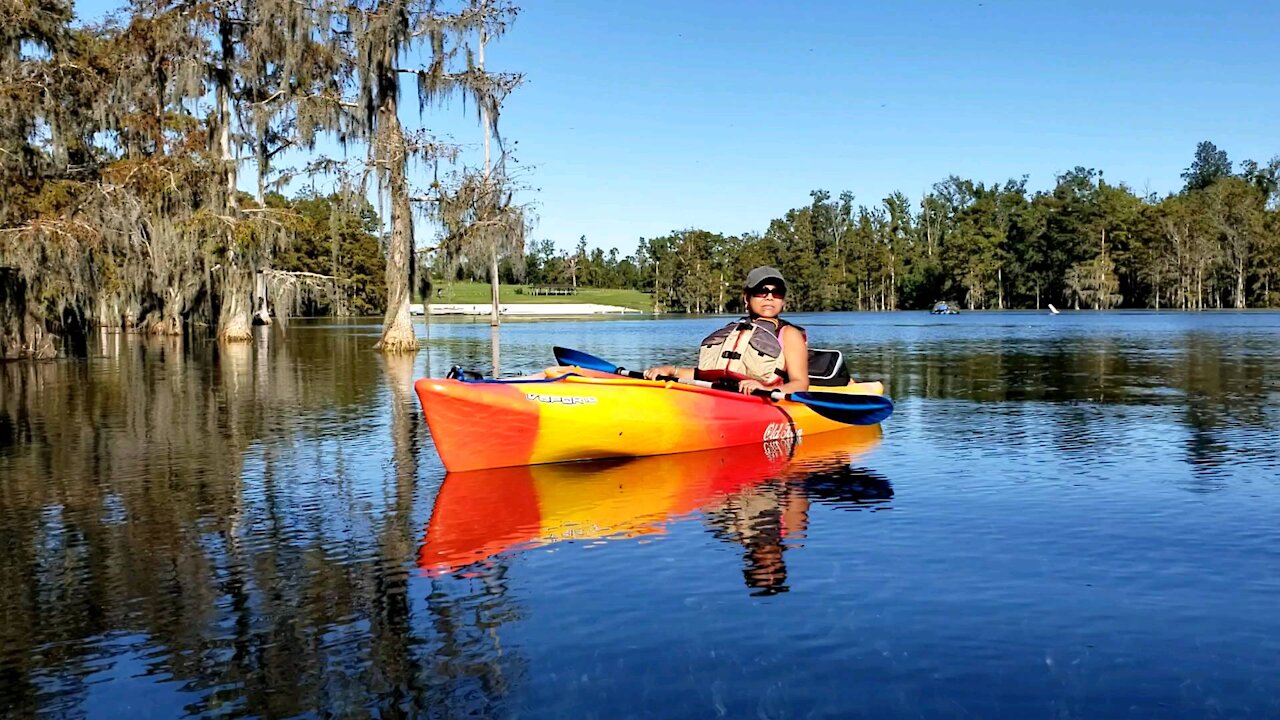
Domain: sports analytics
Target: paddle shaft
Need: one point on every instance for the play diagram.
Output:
(774, 395)
(841, 407)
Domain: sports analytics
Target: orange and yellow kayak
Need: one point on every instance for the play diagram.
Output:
(484, 513)
(582, 414)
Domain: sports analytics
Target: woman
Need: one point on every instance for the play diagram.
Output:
(758, 351)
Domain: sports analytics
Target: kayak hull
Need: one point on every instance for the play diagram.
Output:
(585, 415)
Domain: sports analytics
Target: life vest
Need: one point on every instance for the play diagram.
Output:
(747, 348)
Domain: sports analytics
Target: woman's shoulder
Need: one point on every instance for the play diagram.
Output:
(788, 324)
(794, 331)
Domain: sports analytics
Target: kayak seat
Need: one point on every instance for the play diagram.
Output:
(827, 368)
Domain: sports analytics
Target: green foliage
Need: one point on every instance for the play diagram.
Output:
(1210, 165)
(333, 235)
(1093, 283)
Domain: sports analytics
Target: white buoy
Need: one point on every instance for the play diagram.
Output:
(1053, 310)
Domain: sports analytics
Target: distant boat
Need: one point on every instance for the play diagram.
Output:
(943, 308)
(1052, 310)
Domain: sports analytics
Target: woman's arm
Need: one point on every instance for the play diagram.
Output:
(669, 370)
(796, 351)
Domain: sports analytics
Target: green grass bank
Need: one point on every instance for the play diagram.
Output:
(478, 293)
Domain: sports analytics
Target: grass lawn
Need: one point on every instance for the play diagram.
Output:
(478, 293)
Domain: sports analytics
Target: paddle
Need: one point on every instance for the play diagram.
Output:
(841, 407)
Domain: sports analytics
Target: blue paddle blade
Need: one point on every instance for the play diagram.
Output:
(848, 409)
(577, 358)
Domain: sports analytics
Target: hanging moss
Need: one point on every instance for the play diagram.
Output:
(124, 143)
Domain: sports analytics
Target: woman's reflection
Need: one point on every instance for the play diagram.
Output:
(772, 518)
(762, 520)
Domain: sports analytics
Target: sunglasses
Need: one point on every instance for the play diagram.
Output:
(768, 291)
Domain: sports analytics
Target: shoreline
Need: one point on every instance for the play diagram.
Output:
(537, 310)
(523, 309)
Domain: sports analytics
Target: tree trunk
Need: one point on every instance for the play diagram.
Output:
(22, 332)
(261, 303)
(397, 326)
(171, 316)
(262, 300)
(1240, 304)
(893, 282)
(234, 316)
(493, 289)
(494, 308)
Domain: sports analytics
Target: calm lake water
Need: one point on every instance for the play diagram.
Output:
(1067, 517)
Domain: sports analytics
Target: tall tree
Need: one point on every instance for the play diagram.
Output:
(239, 246)
(1236, 210)
(1209, 166)
(481, 219)
(385, 33)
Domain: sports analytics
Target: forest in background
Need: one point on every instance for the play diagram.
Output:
(1085, 243)
(126, 145)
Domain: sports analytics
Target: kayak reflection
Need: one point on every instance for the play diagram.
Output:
(754, 495)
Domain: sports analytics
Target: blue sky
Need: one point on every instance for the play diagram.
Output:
(639, 118)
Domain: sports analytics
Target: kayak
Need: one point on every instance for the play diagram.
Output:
(579, 414)
(480, 514)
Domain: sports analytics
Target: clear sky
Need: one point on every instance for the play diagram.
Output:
(646, 116)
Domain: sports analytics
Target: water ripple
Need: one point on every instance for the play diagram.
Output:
(1067, 516)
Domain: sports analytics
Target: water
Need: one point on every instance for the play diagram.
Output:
(1071, 516)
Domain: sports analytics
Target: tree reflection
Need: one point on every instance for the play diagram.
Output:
(1212, 389)
(233, 527)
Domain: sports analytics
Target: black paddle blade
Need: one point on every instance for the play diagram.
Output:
(577, 358)
(845, 408)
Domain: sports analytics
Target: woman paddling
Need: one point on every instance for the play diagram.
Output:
(760, 350)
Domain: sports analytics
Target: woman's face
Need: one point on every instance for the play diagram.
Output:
(766, 299)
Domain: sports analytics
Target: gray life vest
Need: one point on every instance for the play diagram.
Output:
(747, 348)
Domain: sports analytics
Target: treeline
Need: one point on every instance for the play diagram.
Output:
(125, 146)
(1085, 243)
